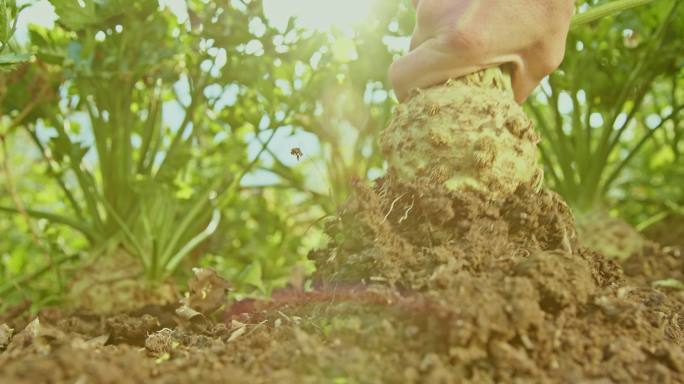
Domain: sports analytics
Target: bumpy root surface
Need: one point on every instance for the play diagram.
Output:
(469, 133)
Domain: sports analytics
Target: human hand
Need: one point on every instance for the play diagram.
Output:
(453, 38)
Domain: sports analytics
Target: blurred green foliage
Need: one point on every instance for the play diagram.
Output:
(8, 25)
(129, 130)
(141, 128)
(616, 94)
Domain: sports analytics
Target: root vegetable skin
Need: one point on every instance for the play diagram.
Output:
(468, 132)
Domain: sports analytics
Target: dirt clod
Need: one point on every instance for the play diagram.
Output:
(131, 330)
(5, 336)
(457, 267)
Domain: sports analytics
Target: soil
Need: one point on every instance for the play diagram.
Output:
(421, 283)
(669, 232)
(612, 236)
(397, 305)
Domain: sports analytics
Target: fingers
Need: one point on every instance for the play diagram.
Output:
(456, 37)
(523, 86)
(538, 64)
(431, 63)
(416, 39)
(434, 62)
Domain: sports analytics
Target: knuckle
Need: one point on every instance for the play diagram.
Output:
(466, 39)
(551, 60)
(545, 57)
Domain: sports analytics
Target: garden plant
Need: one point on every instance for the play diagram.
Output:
(165, 219)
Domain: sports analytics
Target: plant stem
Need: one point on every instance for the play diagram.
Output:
(8, 286)
(604, 10)
(49, 161)
(609, 138)
(35, 236)
(84, 179)
(614, 175)
(564, 184)
(59, 219)
(11, 188)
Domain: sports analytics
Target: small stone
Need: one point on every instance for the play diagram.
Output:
(5, 335)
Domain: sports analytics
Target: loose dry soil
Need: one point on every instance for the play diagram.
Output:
(426, 279)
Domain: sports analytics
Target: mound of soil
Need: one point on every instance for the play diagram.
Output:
(458, 290)
(437, 276)
(669, 232)
(611, 236)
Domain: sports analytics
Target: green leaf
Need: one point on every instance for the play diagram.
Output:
(75, 14)
(174, 163)
(604, 10)
(14, 58)
(194, 242)
(253, 275)
(662, 158)
(62, 146)
(16, 261)
(56, 218)
(669, 283)
(344, 50)
(5, 21)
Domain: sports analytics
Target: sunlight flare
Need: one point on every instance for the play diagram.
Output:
(320, 14)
